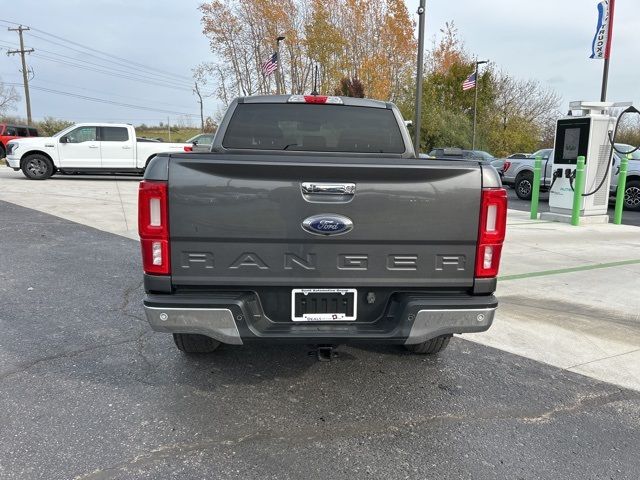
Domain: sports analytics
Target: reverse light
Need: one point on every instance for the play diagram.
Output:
(153, 227)
(492, 230)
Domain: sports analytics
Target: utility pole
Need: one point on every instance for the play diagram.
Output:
(25, 78)
(416, 123)
(278, 70)
(197, 92)
(475, 104)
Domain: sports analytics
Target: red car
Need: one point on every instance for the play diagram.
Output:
(9, 132)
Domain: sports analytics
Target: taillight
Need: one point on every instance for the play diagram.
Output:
(506, 166)
(315, 99)
(188, 148)
(492, 230)
(153, 227)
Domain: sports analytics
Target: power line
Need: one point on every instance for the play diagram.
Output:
(163, 76)
(137, 64)
(113, 74)
(155, 102)
(109, 102)
(128, 69)
(163, 80)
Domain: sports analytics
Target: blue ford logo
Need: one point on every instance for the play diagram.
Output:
(327, 224)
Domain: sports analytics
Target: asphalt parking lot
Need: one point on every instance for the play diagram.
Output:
(89, 392)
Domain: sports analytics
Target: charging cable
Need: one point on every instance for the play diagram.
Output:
(556, 175)
(611, 138)
(572, 177)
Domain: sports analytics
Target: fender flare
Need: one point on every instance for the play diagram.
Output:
(38, 152)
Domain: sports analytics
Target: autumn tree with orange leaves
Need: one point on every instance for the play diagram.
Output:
(372, 42)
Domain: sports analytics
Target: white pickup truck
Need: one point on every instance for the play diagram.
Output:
(86, 148)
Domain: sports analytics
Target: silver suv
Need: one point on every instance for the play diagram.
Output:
(518, 173)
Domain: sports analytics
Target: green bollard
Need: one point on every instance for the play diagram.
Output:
(622, 185)
(535, 188)
(577, 192)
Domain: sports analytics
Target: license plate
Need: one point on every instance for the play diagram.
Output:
(324, 304)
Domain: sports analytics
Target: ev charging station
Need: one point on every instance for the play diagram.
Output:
(583, 134)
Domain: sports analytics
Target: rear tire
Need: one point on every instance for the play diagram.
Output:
(3, 152)
(430, 347)
(524, 185)
(37, 167)
(632, 195)
(192, 343)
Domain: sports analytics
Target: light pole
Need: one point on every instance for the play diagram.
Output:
(278, 74)
(475, 104)
(416, 123)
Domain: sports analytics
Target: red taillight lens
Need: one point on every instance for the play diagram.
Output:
(188, 148)
(153, 227)
(506, 166)
(492, 230)
(315, 98)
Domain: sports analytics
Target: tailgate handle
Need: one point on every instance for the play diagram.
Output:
(328, 188)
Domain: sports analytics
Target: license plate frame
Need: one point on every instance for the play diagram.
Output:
(324, 317)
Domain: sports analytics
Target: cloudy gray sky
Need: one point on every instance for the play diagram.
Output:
(548, 40)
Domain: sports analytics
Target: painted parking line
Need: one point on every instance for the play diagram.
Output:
(559, 271)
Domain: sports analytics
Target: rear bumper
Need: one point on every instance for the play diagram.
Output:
(237, 318)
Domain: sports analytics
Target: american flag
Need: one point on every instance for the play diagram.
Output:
(470, 82)
(270, 65)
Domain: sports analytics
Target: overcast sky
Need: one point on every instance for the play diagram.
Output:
(548, 40)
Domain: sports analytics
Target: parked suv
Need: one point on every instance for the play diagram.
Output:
(518, 173)
(9, 132)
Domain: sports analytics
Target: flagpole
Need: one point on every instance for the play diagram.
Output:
(607, 54)
(419, 72)
(278, 74)
(475, 104)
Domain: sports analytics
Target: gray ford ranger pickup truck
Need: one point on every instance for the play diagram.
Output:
(312, 220)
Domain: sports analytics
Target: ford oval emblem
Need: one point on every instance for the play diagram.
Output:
(327, 224)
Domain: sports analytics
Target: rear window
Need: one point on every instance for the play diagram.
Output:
(33, 132)
(317, 128)
(22, 131)
(114, 134)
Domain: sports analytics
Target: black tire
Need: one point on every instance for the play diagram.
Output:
(430, 347)
(524, 185)
(192, 343)
(37, 167)
(632, 195)
(3, 152)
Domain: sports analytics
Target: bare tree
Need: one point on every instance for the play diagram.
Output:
(524, 99)
(8, 98)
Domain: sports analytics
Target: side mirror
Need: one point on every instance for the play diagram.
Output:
(64, 140)
(195, 142)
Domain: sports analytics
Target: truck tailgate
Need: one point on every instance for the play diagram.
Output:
(236, 220)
